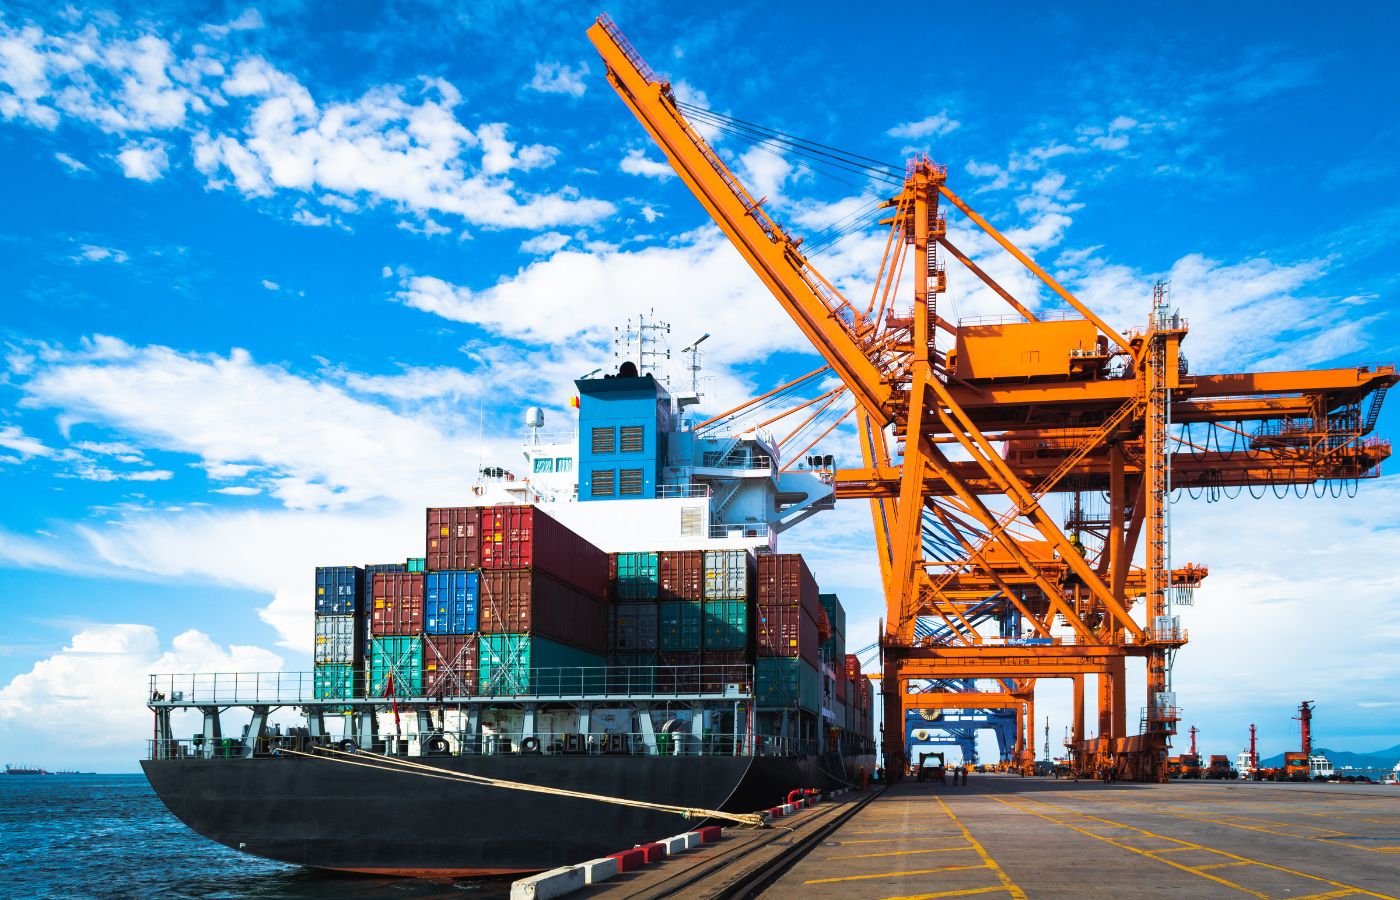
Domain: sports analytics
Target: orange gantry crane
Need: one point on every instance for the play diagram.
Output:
(965, 428)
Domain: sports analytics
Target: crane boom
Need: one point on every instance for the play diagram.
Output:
(827, 320)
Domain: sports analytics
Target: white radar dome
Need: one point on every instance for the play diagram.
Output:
(534, 417)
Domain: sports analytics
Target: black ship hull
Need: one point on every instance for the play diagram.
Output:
(353, 818)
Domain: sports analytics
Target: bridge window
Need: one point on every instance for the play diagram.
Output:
(544, 466)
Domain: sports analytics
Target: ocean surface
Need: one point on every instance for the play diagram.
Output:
(110, 836)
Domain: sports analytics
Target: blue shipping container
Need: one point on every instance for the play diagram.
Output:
(339, 590)
(450, 600)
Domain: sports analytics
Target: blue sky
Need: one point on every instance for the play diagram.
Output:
(276, 276)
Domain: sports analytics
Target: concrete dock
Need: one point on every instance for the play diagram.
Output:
(1037, 837)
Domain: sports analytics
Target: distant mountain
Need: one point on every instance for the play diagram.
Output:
(1378, 759)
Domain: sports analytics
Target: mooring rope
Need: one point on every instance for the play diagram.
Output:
(753, 820)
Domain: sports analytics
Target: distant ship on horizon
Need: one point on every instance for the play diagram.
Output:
(25, 770)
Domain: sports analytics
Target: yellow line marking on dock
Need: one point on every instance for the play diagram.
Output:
(930, 837)
(1224, 865)
(965, 892)
(896, 875)
(1330, 895)
(1194, 870)
(1334, 839)
(898, 853)
(1006, 882)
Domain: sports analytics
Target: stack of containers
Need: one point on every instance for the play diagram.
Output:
(833, 650)
(634, 589)
(680, 609)
(452, 594)
(396, 635)
(859, 714)
(788, 654)
(541, 602)
(727, 617)
(339, 631)
(367, 610)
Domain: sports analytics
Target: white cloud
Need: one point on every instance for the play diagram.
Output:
(248, 20)
(650, 214)
(96, 253)
(636, 163)
(764, 174)
(144, 161)
(544, 244)
(13, 438)
(271, 285)
(935, 125)
(239, 491)
(92, 693)
(304, 216)
(71, 164)
(428, 227)
(557, 78)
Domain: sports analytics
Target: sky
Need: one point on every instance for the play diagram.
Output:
(274, 277)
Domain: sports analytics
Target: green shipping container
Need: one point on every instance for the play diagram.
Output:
(511, 664)
(727, 625)
(787, 681)
(680, 625)
(334, 682)
(402, 656)
(637, 576)
(417, 563)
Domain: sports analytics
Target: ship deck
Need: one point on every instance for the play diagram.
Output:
(1034, 837)
(1024, 837)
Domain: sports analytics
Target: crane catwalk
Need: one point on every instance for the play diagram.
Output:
(965, 428)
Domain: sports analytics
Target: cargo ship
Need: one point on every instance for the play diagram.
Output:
(614, 621)
(25, 770)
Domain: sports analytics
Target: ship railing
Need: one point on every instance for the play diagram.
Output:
(450, 742)
(502, 681)
(743, 530)
(682, 491)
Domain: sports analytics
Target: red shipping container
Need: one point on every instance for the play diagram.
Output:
(398, 603)
(840, 678)
(527, 601)
(785, 630)
(449, 665)
(523, 537)
(454, 538)
(682, 574)
(785, 580)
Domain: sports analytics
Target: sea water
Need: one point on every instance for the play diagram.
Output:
(110, 836)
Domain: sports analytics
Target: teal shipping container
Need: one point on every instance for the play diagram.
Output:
(636, 577)
(680, 625)
(334, 682)
(510, 664)
(787, 681)
(835, 612)
(417, 563)
(727, 625)
(403, 658)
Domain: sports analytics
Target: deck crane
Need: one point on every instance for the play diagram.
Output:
(1028, 406)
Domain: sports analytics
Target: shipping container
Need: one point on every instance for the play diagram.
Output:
(449, 665)
(367, 598)
(632, 673)
(679, 623)
(681, 574)
(786, 631)
(787, 682)
(338, 590)
(454, 538)
(722, 668)
(334, 682)
(401, 658)
(512, 664)
(634, 576)
(728, 575)
(835, 612)
(450, 602)
(416, 564)
(727, 625)
(523, 537)
(527, 601)
(398, 604)
(339, 641)
(677, 671)
(634, 627)
(785, 580)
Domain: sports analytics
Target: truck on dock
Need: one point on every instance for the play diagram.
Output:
(1220, 768)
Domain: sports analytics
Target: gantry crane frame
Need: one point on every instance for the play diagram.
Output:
(1094, 425)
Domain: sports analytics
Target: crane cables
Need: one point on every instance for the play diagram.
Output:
(817, 158)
